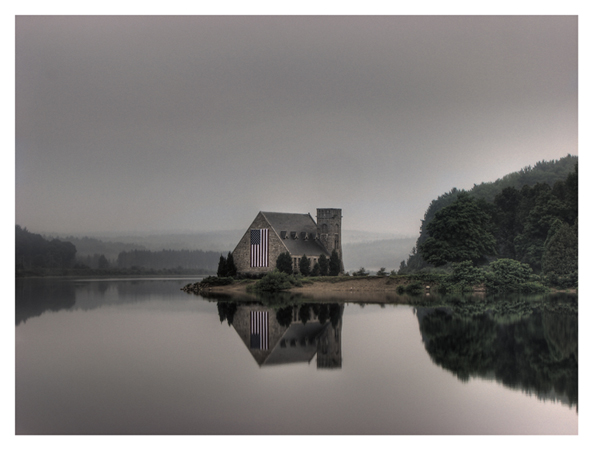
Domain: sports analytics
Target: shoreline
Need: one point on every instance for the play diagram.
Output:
(358, 285)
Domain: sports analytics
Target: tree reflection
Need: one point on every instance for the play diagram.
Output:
(535, 352)
(34, 298)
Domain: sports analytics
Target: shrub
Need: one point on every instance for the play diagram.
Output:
(360, 272)
(508, 275)
(413, 288)
(276, 281)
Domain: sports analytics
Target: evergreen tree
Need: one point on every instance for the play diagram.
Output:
(305, 313)
(284, 263)
(305, 266)
(334, 264)
(231, 269)
(222, 267)
(284, 316)
(315, 271)
(323, 266)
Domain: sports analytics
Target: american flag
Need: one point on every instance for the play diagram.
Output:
(258, 330)
(259, 248)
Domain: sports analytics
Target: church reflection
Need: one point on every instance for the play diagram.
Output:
(294, 334)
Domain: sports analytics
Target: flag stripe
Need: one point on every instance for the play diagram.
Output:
(259, 330)
(259, 241)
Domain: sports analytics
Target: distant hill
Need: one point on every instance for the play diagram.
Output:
(373, 255)
(371, 250)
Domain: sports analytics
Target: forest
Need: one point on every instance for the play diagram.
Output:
(36, 255)
(530, 217)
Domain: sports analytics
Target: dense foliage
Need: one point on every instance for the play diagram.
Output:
(535, 224)
(34, 251)
(460, 232)
(526, 345)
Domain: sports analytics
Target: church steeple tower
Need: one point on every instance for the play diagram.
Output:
(329, 228)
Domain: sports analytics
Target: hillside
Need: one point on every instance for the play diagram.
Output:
(531, 198)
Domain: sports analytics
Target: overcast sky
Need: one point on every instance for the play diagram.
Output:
(197, 123)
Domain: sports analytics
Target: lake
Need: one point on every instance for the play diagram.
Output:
(125, 356)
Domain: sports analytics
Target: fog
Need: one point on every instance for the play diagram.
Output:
(194, 123)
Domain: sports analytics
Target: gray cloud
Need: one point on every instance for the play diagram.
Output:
(193, 122)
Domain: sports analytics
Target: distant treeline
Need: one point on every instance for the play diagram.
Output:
(36, 256)
(34, 251)
(530, 216)
(166, 259)
(92, 247)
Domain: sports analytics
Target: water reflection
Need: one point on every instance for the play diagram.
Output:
(34, 298)
(527, 344)
(530, 346)
(288, 334)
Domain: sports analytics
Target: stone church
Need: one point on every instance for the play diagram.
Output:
(272, 233)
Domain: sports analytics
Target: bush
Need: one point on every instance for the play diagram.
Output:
(413, 288)
(508, 275)
(360, 272)
(276, 281)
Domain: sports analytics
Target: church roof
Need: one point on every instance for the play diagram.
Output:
(297, 231)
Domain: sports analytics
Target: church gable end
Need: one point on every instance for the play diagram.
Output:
(251, 256)
(271, 234)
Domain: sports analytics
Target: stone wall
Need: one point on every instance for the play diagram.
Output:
(243, 249)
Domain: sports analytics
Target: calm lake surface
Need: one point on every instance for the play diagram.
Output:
(143, 357)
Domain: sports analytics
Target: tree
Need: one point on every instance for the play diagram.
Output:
(284, 316)
(334, 264)
(103, 263)
(316, 270)
(381, 272)
(305, 266)
(284, 263)
(402, 268)
(231, 268)
(305, 313)
(360, 272)
(323, 265)
(222, 267)
(459, 232)
(561, 251)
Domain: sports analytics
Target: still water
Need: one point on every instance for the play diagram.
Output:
(143, 357)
